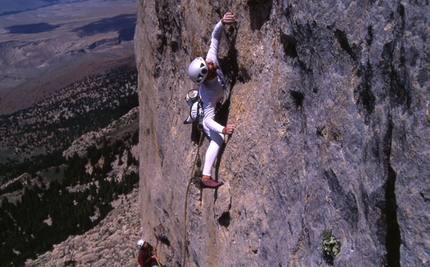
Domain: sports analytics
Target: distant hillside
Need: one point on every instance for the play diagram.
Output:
(46, 49)
(69, 191)
(40, 210)
(16, 6)
(50, 126)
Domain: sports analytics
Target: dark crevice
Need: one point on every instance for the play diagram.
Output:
(350, 209)
(394, 65)
(400, 86)
(225, 219)
(174, 45)
(395, 72)
(243, 75)
(365, 97)
(365, 199)
(401, 11)
(289, 43)
(393, 231)
(298, 98)
(332, 181)
(221, 116)
(229, 63)
(259, 13)
(393, 240)
(369, 38)
(320, 131)
(425, 198)
(342, 200)
(344, 44)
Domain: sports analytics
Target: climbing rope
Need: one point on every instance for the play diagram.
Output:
(186, 198)
(158, 262)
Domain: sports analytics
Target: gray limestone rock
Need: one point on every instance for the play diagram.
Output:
(331, 101)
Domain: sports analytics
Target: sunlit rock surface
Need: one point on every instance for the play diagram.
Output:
(331, 101)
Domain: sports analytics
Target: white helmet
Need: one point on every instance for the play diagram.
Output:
(198, 70)
(140, 243)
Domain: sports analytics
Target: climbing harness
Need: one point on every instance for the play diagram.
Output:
(197, 161)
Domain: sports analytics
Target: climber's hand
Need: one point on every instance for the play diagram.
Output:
(229, 129)
(228, 18)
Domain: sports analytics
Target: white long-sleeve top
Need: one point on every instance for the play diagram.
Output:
(211, 91)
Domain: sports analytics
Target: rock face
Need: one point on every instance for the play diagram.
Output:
(331, 102)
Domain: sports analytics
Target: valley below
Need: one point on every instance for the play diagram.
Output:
(48, 48)
(68, 123)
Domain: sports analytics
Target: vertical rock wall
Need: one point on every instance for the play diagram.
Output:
(331, 101)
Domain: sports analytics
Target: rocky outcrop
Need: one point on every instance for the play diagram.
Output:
(58, 200)
(111, 243)
(331, 102)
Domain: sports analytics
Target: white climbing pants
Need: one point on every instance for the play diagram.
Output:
(217, 139)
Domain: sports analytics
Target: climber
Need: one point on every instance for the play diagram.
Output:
(207, 73)
(147, 254)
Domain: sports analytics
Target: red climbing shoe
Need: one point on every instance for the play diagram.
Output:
(210, 183)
